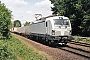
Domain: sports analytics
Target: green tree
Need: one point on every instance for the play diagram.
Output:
(58, 7)
(5, 21)
(27, 23)
(17, 23)
(78, 11)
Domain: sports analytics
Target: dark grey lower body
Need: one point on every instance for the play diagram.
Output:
(62, 40)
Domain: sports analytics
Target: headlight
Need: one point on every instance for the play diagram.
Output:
(53, 32)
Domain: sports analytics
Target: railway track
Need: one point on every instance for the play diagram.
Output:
(77, 48)
(79, 43)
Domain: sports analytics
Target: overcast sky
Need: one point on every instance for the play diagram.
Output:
(25, 10)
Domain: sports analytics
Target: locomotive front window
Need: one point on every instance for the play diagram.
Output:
(61, 22)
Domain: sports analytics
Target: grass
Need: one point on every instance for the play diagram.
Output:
(84, 40)
(16, 49)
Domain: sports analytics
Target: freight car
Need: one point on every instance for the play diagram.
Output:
(24, 31)
(53, 30)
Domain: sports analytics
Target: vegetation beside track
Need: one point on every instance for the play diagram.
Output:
(82, 39)
(16, 49)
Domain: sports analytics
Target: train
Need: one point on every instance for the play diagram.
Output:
(52, 30)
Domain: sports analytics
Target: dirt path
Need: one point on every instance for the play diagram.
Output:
(61, 53)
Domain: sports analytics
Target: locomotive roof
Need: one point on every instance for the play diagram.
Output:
(44, 18)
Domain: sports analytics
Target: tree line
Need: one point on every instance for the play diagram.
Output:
(79, 13)
(17, 23)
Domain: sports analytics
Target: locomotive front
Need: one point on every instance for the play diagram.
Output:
(61, 30)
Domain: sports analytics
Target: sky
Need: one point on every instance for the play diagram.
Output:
(25, 10)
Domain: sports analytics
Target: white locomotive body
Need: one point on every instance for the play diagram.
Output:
(56, 29)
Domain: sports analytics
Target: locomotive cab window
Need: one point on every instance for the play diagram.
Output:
(61, 22)
(46, 24)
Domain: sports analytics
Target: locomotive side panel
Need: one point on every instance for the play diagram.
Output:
(38, 28)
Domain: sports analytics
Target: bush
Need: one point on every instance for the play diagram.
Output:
(5, 21)
(5, 54)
